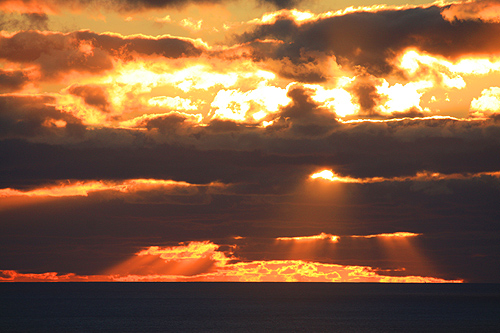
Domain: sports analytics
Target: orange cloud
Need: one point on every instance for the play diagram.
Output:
(28, 6)
(400, 234)
(255, 271)
(193, 258)
(84, 188)
(301, 17)
(14, 276)
(203, 261)
(211, 87)
(420, 176)
(484, 10)
(192, 250)
(322, 236)
(487, 104)
(414, 61)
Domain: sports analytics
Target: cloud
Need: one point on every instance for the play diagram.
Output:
(190, 24)
(126, 6)
(108, 227)
(422, 176)
(322, 236)
(482, 10)
(93, 95)
(303, 117)
(304, 137)
(164, 46)
(282, 3)
(54, 53)
(13, 80)
(394, 234)
(486, 105)
(370, 39)
(251, 106)
(26, 21)
(166, 124)
(365, 90)
(87, 52)
(203, 261)
(150, 191)
(34, 116)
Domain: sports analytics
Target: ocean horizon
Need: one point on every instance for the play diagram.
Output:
(248, 307)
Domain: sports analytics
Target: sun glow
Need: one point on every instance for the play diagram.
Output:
(333, 177)
(251, 106)
(412, 60)
(401, 97)
(337, 99)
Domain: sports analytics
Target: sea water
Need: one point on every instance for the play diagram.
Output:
(248, 307)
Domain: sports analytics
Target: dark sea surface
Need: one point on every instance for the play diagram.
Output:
(248, 307)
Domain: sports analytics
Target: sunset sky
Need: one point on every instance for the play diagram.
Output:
(264, 140)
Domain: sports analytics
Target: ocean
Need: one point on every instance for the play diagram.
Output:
(248, 307)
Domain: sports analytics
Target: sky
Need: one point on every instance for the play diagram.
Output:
(263, 140)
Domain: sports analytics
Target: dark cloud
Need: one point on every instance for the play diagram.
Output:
(303, 117)
(303, 138)
(170, 124)
(365, 90)
(136, 5)
(25, 21)
(37, 21)
(132, 5)
(178, 3)
(86, 52)
(169, 47)
(93, 95)
(55, 53)
(157, 161)
(29, 117)
(255, 156)
(166, 124)
(12, 80)
(222, 126)
(282, 3)
(372, 39)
